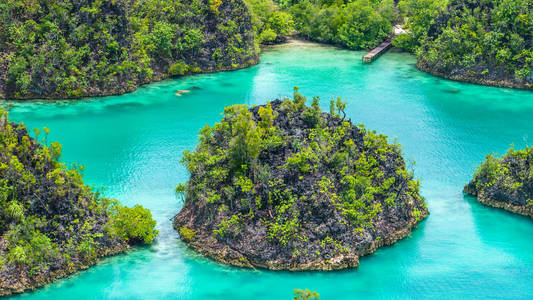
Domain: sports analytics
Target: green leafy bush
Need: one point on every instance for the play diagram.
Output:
(405, 42)
(133, 224)
(179, 68)
(305, 295)
(270, 24)
(186, 233)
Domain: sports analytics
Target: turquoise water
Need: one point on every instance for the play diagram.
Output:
(132, 145)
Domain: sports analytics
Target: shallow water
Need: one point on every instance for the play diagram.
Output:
(132, 145)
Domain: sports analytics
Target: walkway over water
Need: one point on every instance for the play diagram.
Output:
(374, 54)
(383, 47)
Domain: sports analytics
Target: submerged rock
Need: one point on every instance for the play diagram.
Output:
(284, 186)
(181, 92)
(505, 182)
(452, 91)
(51, 223)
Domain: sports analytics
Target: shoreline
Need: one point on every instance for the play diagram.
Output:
(157, 78)
(230, 257)
(293, 40)
(290, 40)
(22, 283)
(524, 211)
(481, 82)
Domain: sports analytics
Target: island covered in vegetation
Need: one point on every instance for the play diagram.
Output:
(51, 223)
(505, 182)
(287, 186)
(69, 49)
(485, 42)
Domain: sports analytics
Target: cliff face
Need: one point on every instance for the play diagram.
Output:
(51, 223)
(65, 49)
(285, 186)
(505, 182)
(487, 42)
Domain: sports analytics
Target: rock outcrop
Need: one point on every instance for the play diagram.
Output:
(284, 186)
(505, 182)
(482, 42)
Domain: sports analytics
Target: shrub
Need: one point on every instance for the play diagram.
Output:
(405, 42)
(186, 233)
(267, 36)
(134, 225)
(305, 295)
(177, 69)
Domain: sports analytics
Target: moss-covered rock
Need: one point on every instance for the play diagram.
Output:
(70, 49)
(51, 223)
(287, 186)
(505, 182)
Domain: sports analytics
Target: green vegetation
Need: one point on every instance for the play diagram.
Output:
(186, 233)
(505, 181)
(357, 24)
(270, 24)
(49, 219)
(419, 15)
(273, 176)
(134, 225)
(305, 295)
(58, 49)
(69, 49)
(487, 42)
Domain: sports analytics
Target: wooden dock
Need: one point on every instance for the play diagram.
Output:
(376, 52)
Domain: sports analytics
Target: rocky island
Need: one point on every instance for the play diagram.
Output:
(72, 49)
(285, 186)
(505, 182)
(483, 42)
(51, 223)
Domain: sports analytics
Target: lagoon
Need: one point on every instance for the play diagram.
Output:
(132, 145)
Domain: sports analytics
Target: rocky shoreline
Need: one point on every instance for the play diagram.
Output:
(139, 48)
(475, 80)
(128, 89)
(51, 223)
(22, 282)
(525, 211)
(209, 247)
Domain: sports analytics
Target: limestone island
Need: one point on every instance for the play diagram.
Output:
(285, 186)
(505, 182)
(86, 48)
(483, 42)
(51, 223)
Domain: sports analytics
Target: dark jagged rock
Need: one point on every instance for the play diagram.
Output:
(51, 223)
(505, 182)
(285, 186)
(70, 49)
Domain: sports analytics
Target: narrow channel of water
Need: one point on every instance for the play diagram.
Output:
(132, 144)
